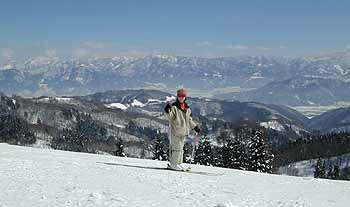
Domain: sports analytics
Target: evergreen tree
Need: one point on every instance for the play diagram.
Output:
(131, 127)
(232, 155)
(119, 148)
(13, 128)
(204, 153)
(81, 136)
(159, 152)
(330, 172)
(259, 157)
(336, 172)
(317, 171)
(323, 170)
(217, 158)
(187, 152)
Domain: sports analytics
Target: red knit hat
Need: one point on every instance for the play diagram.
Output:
(182, 92)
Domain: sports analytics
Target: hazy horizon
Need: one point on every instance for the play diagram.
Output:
(184, 28)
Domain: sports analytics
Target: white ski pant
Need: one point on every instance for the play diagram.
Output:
(176, 149)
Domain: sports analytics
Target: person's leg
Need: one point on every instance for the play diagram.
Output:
(176, 152)
(181, 147)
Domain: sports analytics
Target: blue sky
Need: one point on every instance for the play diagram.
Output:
(190, 28)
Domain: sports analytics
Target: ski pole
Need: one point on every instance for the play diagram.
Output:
(194, 146)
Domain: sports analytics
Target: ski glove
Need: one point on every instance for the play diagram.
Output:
(197, 129)
(167, 108)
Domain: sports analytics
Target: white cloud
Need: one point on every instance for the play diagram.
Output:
(51, 52)
(7, 53)
(140, 52)
(81, 52)
(236, 47)
(283, 47)
(263, 48)
(97, 45)
(204, 44)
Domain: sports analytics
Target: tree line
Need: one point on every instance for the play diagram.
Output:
(313, 147)
(253, 155)
(13, 128)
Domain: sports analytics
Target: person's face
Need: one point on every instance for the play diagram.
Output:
(181, 98)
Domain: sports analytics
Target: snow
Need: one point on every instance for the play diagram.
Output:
(218, 75)
(256, 77)
(7, 67)
(154, 101)
(58, 99)
(297, 97)
(43, 99)
(80, 80)
(297, 129)
(310, 102)
(306, 168)
(44, 177)
(64, 100)
(170, 98)
(41, 144)
(116, 105)
(340, 69)
(273, 125)
(137, 103)
(119, 125)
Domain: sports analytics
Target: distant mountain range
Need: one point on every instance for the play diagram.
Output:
(269, 115)
(278, 80)
(296, 91)
(335, 120)
(153, 100)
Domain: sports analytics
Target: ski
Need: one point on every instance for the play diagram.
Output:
(196, 172)
(165, 168)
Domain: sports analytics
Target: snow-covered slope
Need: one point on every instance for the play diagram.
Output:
(43, 177)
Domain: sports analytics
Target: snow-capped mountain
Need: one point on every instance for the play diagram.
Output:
(336, 120)
(58, 76)
(127, 96)
(42, 177)
(297, 91)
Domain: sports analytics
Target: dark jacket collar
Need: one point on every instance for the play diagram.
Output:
(177, 104)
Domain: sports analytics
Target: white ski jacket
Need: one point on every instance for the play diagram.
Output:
(180, 120)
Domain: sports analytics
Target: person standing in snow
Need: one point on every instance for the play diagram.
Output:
(180, 119)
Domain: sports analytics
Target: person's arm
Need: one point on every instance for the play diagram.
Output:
(169, 113)
(197, 129)
(194, 125)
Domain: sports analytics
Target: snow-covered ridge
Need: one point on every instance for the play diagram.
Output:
(273, 124)
(117, 105)
(44, 177)
(137, 103)
(57, 99)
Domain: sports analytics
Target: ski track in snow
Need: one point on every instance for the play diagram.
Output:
(44, 177)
